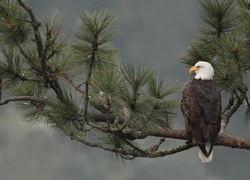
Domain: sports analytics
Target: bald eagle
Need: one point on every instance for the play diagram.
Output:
(201, 108)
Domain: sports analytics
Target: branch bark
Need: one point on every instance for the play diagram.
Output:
(230, 110)
(222, 140)
(50, 78)
(35, 25)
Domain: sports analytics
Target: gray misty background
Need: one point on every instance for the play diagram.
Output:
(156, 33)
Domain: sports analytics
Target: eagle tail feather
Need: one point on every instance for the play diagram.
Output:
(206, 152)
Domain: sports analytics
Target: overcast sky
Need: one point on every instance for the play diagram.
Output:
(156, 33)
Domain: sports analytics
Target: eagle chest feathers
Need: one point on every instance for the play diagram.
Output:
(201, 108)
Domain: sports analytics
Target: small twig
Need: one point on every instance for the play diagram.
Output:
(125, 152)
(134, 147)
(110, 128)
(23, 98)
(127, 157)
(171, 150)
(77, 87)
(155, 148)
(51, 55)
(89, 73)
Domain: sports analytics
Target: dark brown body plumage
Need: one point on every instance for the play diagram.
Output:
(201, 108)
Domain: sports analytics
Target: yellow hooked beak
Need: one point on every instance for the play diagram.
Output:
(193, 69)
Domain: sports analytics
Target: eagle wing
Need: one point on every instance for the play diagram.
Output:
(201, 108)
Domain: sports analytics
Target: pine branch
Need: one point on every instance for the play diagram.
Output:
(110, 128)
(50, 79)
(171, 151)
(23, 98)
(155, 148)
(222, 140)
(217, 17)
(77, 87)
(141, 151)
(89, 73)
(94, 34)
(230, 110)
(35, 24)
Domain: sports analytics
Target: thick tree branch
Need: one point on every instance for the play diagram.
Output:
(222, 140)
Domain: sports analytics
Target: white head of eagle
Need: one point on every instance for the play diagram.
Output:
(201, 108)
(203, 70)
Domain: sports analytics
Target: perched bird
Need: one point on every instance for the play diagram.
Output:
(201, 108)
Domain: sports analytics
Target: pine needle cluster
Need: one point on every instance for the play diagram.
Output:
(13, 24)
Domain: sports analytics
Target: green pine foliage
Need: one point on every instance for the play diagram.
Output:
(74, 78)
(11, 68)
(107, 86)
(227, 76)
(216, 17)
(223, 40)
(13, 24)
(93, 39)
(64, 115)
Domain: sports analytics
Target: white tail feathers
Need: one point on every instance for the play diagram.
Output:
(204, 158)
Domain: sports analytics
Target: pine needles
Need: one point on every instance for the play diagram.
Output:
(14, 28)
(101, 98)
(223, 40)
(216, 17)
(94, 35)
